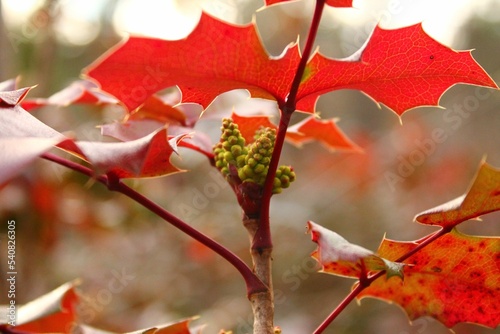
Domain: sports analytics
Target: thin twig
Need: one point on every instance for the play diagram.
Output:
(291, 101)
(263, 238)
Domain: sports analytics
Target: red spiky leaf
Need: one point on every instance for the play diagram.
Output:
(482, 197)
(324, 131)
(54, 312)
(454, 279)
(23, 138)
(402, 68)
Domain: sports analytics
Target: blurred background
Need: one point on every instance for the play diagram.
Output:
(68, 227)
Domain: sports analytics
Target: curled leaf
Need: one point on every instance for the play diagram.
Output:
(454, 279)
(54, 312)
(12, 97)
(82, 91)
(482, 197)
(339, 257)
(143, 157)
(324, 131)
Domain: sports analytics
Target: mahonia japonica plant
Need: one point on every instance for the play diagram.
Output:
(401, 68)
(240, 162)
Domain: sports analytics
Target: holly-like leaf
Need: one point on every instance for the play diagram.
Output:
(155, 108)
(82, 91)
(216, 57)
(453, 279)
(402, 68)
(14, 135)
(14, 160)
(339, 257)
(324, 131)
(136, 129)
(164, 108)
(157, 112)
(143, 157)
(54, 312)
(8, 85)
(11, 97)
(482, 197)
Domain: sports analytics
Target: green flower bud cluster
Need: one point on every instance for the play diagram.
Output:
(258, 157)
(231, 149)
(251, 162)
(284, 176)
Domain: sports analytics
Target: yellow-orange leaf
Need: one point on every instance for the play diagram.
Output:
(483, 197)
(454, 279)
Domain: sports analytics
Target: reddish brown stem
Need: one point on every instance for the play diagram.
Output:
(291, 101)
(263, 237)
(258, 226)
(366, 282)
(253, 283)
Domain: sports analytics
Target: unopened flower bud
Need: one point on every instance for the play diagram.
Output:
(248, 171)
(236, 150)
(285, 181)
(240, 161)
(259, 168)
(228, 156)
(251, 162)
